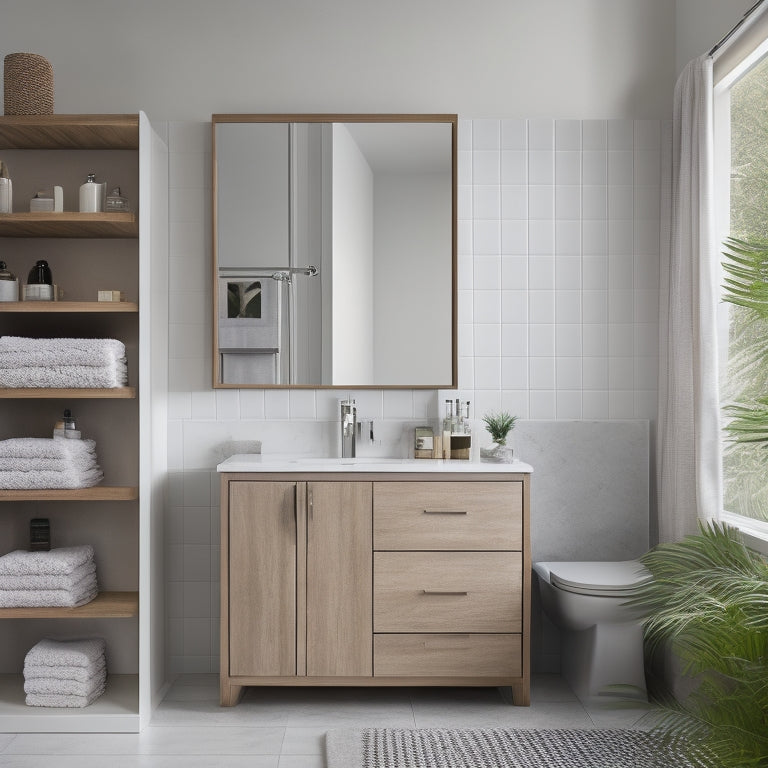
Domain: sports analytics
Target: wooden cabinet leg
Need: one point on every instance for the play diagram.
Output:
(518, 694)
(230, 694)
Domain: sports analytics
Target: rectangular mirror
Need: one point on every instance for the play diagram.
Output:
(334, 251)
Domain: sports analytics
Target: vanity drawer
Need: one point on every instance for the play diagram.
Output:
(448, 515)
(447, 592)
(447, 656)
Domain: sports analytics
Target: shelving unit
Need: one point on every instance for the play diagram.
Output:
(122, 517)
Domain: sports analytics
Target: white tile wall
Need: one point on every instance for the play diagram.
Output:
(558, 245)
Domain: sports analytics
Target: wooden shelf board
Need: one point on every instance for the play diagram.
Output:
(40, 393)
(117, 710)
(68, 306)
(96, 493)
(69, 132)
(106, 605)
(69, 224)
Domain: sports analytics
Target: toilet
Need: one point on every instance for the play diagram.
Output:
(602, 639)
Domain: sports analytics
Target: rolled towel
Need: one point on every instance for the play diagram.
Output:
(62, 700)
(74, 652)
(68, 687)
(16, 350)
(61, 561)
(69, 581)
(69, 479)
(45, 598)
(78, 674)
(65, 377)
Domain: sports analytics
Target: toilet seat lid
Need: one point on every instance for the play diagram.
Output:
(601, 579)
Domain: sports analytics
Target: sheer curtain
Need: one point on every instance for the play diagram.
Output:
(688, 439)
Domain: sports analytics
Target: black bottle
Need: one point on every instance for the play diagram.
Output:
(40, 274)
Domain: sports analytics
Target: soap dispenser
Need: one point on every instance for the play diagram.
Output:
(92, 195)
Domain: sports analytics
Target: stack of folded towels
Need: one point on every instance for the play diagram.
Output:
(65, 673)
(62, 363)
(64, 577)
(43, 462)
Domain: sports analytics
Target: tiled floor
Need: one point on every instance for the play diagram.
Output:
(284, 728)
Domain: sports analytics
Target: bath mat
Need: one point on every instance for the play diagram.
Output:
(505, 748)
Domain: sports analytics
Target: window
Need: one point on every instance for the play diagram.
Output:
(741, 180)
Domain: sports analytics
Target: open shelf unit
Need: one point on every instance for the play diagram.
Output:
(121, 518)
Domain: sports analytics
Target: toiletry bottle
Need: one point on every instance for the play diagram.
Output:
(447, 425)
(70, 428)
(116, 201)
(9, 285)
(39, 285)
(6, 190)
(92, 195)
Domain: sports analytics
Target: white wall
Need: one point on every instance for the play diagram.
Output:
(185, 59)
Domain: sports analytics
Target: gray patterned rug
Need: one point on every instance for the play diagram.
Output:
(505, 748)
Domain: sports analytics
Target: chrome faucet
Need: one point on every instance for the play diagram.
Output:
(348, 428)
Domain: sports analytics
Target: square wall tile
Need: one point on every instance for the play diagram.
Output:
(568, 373)
(595, 373)
(594, 404)
(541, 372)
(488, 372)
(541, 202)
(542, 404)
(647, 134)
(568, 306)
(620, 272)
(276, 404)
(568, 238)
(568, 404)
(567, 167)
(595, 202)
(487, 273)
(541, 134)
(486, 202)
(398, 404)
(487, 309)
(567, 340)
(514, 373)
(594, 168)
(541, 306)
(568, 273)
(541, 272)
(514, 201)
(514, 238)
(486, 167)
(227, 404)
(516, 402)
(594, 135)
(464, 170)
(620, 134)
(620, 168)
(301, 404)
(251, 403)
(514, 134)
(541, 339)
(514, 167)
(514, 306)
(541, 238)
(568, 202)
(514, 340)
(464, 135)
(514, 273)
(568, 134)
(487, 340)
(486, 134)
(594, 340)
(541, 167)
(486, 238)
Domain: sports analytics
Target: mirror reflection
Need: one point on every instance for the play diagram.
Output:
(334, 251)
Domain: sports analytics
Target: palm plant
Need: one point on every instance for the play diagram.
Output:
(709, 600)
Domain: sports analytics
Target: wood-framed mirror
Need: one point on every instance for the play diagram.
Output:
(334, 251)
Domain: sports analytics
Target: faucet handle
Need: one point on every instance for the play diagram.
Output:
(368, 429)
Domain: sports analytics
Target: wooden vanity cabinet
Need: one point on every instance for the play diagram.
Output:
(374, 580)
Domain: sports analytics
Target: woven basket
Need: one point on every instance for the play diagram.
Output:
(28, 84)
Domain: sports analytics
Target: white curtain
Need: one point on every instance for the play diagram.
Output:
(688, 440)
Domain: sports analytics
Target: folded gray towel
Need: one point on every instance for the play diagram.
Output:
(69, 479)
(62, 700)
(52, 685)
(65, 376)
(46, 448)
(69, 581)
(60, 561)
(22, 350)
(78, 674)
(74, 652)
(46, 598)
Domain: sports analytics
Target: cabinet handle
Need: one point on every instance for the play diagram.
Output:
(311, 504)
(443, 592)
(446, 512)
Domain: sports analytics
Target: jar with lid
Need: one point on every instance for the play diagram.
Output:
(39, 285)
(9, 285)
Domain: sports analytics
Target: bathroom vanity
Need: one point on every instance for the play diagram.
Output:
(374, 572)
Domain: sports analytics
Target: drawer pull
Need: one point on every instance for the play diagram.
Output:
(444, 592)
(446, 512)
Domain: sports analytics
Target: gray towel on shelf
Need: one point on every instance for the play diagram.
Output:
(79, 451)
(18, 351)
(46, 598)
(65, 377)
(60, 561)
(68, 480)
(62, 700)
(52, 685)
(48, 580)
(73, 652)
(55, 672)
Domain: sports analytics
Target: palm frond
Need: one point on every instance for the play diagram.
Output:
(746, 265)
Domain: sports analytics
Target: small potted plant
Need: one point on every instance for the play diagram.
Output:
(498, 426)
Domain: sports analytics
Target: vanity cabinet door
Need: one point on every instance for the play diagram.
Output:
(262, 579)
(339, 574)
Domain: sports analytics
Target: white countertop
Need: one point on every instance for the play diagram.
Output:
(249, 462)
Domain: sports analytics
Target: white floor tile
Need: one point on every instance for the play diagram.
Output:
(211, 740)
(304, 741)
(302, 761)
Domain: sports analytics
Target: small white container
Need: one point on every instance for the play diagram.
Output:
(9, 285)
(6, 196)
(92, 195)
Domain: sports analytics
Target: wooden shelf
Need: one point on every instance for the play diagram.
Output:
(40, 393)
(96, 493)
(106, 605)
(68, 306)
(69, 132)
(69, 224)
